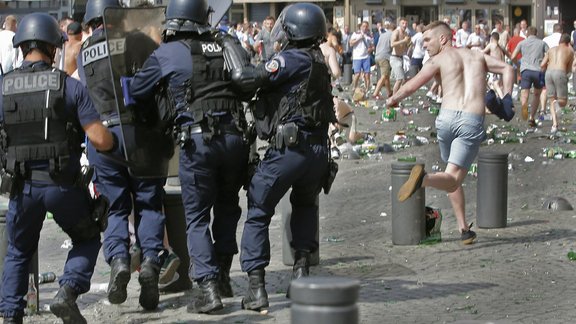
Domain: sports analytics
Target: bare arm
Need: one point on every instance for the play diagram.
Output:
(515, 53)
(544, 63)
(429, 70)
(99, 136)
(333, 63)
(496, 66)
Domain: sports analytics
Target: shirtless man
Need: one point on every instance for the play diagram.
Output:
(496, 51)
(328, 49)
(460, 122)
(399, 41)
(72, 47)
(558, 64)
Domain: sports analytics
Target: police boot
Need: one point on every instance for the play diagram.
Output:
(301, 267)
(64, 306)
(210, 300)
(224, 287)
(16, 319)
(119, 277)
(148, 279)
(257, 297)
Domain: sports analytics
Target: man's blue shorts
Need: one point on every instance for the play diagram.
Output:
(529, 78)
(361, 65)
(459, 136)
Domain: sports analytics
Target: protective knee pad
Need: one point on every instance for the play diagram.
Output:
(85, 230)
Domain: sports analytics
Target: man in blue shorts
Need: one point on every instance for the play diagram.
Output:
(461, 118)
(362, 45)
(533, 50)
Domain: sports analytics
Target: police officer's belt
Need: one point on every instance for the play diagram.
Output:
(114, 121)
(224, 128)
(37, 175)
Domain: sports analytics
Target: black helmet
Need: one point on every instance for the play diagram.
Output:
(187, 16)
(38, 27)
(302, 22)
(95, 9)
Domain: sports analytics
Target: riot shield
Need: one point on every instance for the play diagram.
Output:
(219, 9)
(132, 34)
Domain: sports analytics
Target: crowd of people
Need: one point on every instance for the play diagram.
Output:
(292, 73)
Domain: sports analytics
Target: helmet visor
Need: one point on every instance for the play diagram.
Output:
(278, 34)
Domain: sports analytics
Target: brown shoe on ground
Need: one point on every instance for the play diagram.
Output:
(413, 183)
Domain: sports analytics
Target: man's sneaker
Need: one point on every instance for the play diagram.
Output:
(468, 236)
(335, 153)
(164, 286)
(169, 269)
(413, 183)
(532, 123)
(430, 95)
(553, 130)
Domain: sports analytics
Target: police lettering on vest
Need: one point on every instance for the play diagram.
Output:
(99, 51)
(30, 82)
(211, 49)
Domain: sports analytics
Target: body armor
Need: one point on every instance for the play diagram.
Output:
(36, 124)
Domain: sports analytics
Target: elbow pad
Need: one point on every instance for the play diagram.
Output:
(250, 78)
(235, 57)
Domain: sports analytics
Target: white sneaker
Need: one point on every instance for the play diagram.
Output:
(430, 95)
(439, 100)
(553, 130)
(335, 153)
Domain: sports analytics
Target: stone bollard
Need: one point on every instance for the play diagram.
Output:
(287, 251)
(492, 191)
(324, 300)
(408, 217)
(176, 229)
(347, 74)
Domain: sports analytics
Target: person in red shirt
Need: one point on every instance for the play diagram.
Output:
(512, 43)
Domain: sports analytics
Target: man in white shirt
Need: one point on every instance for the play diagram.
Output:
(10, 57)
(476, 39)
(554, 39)
(362, 45)
(462, 35)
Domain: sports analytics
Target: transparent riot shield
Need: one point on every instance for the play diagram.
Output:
(219, 9)
(132, 34)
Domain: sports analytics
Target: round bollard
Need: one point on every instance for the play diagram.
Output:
(408, 217)
(347, 74)
(324, 300)
(492, 191)
(286, 216)
(3, 240)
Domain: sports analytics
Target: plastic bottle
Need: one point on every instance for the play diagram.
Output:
(31, 297)
(46, 277)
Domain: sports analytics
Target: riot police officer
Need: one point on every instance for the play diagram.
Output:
(113, 179)
(213, 155)
(44, 117)
(293, 112)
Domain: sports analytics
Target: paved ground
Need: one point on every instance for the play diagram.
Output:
(516, 274)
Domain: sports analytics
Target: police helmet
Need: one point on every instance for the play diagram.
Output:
(302, 22)
(188, 16)
(38, 27)
(95, 9)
